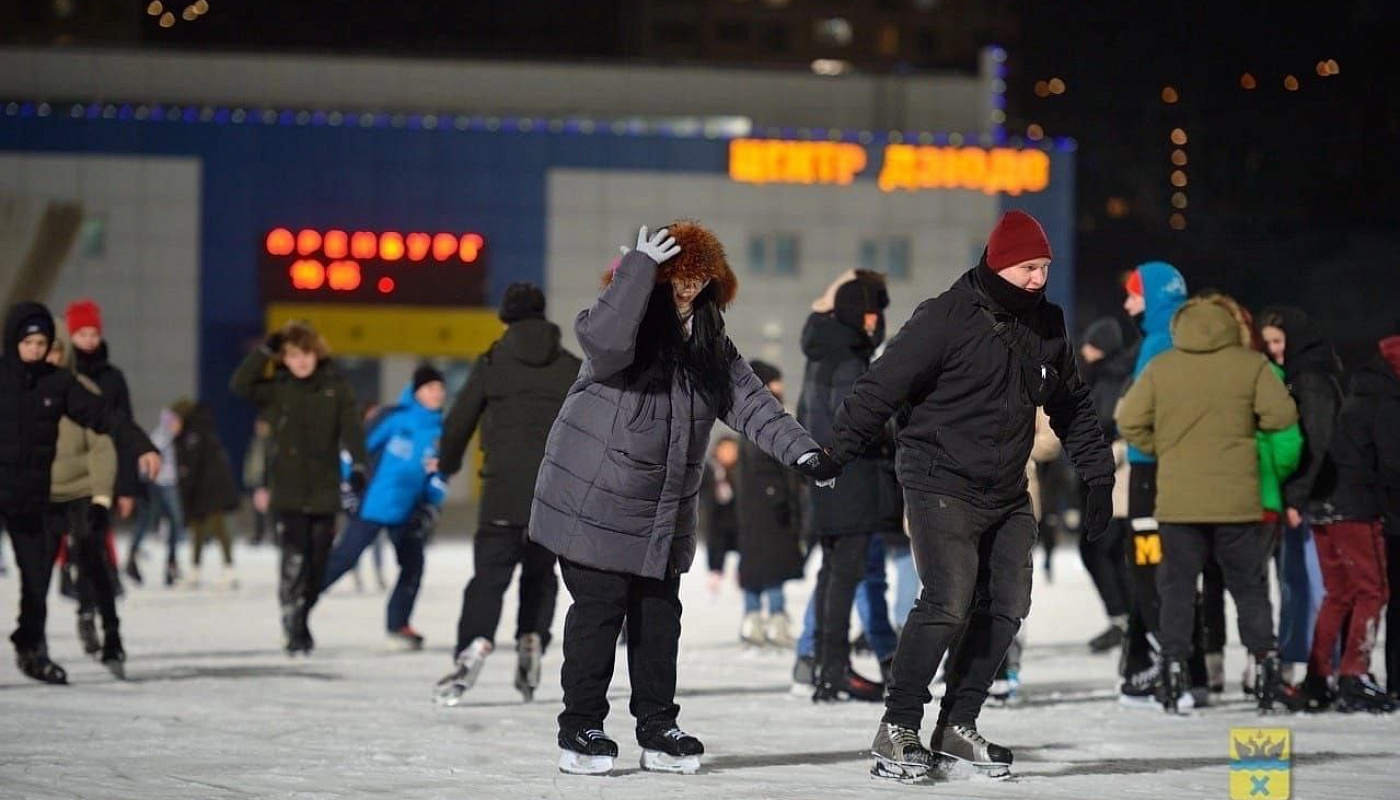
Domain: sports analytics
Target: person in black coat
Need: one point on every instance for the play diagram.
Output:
(34, 396)
(719, 517)
(973, 365)
(1362, 525)
(1105, 366)
(839, 345)
(1313, 374)
(769, 504)
(513, 394)
(207, 488)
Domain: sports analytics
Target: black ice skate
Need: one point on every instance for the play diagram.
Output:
(529, 651)
(113, 656)
(1318, 692)
(897, 754)
(469, 662)
(847, 686)
(670, 749)
(586, 752)
(1359, 693)
(36, 664)
(965, 746)
(1110, 639)
(1273, 694)
(87, 633)
(1174, 690)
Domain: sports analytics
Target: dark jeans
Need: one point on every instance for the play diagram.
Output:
(306, 545)
(496, 551)
(1214, 635)
(976, 567)
(1392, 613)
(1108, 569)
(88, 550)
(34, 554)
(844, 564)
(1243, 552)
(408, 548)
(602, 600)
(162, 502)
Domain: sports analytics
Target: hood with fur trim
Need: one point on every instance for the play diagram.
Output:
(701, 258)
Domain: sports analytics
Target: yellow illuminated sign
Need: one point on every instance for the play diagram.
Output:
(1001, 170)
(776, 161)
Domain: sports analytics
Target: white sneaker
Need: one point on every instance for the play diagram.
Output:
(751, 629)
(779, 633)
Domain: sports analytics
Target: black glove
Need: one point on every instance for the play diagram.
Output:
(1098, 509)
(424, 520)
(273, 342)
(99, 520)
(818, 465)
(357, 481)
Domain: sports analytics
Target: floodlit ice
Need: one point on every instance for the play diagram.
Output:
(213, 709)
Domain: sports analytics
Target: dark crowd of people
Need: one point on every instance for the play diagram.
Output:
(1189, 458)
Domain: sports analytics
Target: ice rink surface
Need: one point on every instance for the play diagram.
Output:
(213, 709)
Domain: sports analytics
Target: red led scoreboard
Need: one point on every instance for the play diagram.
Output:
(332, 266)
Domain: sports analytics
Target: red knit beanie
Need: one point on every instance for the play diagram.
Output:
(1016, 238)
(83, 314)
(1134, 284)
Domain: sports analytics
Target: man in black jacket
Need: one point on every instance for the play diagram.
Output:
(973, 364)
(34, 396)
(514, 392)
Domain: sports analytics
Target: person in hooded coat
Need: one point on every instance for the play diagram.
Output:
(207, 489)
(404, 495)
(973, 365)
(839, 345)
(1105, 364)
(1313, 374)
(513, 395)
(617, 492)
(34, 397)
(292, 382)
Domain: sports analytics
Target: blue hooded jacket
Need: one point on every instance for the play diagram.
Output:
(1164, 291)
(405, 436)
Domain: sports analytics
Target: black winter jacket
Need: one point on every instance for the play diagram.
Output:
(33, 398)
(1366, 444)
(514, 393)
(769, 501)
(1107, 377)
(206, 478)
(1313, 374)
(972, 419)
(837, 356)
(112, 382)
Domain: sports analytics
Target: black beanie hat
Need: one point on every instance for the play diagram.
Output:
(426, 374)
(523, 300)
(766, 372)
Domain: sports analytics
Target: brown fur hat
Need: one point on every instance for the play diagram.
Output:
(701, 257)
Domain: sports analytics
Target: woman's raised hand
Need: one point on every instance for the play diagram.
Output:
(659, 247)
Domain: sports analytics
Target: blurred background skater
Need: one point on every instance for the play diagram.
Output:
(208, 493)
(291, 380)
(162, 503)
(255, 469)
(512, 395)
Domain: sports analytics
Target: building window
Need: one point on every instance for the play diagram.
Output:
(889, 255)
(835, 31)
(776, 254)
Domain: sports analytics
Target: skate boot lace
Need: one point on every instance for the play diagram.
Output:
(675, 734)
(594, 734)
(902, 737)
(970, 734)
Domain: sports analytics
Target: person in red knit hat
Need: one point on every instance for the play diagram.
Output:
(972, 365)
(90, 359)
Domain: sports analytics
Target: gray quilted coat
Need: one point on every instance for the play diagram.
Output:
(621, 475)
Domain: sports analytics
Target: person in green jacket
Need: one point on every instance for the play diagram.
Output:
(313, 415)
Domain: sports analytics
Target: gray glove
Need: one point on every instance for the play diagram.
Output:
(659, 247)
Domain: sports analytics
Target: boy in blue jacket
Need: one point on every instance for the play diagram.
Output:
(404, 495)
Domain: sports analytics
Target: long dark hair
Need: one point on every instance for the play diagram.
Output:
(703, 361)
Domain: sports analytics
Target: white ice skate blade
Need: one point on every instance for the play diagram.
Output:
(887, 770)
(801, 690)
(962, 768)
(579, 764)
(657, 761)
(449, 697)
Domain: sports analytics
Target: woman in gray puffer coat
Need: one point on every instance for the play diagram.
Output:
(616, 495)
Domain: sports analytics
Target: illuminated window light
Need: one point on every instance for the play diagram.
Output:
(391, 247)
(364, 245)
(1034, 132)
(1177, 221)
(1117, 207)
(1179, 158)
(167, 20)
(307, 274)
(201, 6)
(1042, 89)
(1169, 95)
(343, 276)
(1290, 83)
(419, 245)
(1178, 136)
(1333, 68)
(308, 242)
(444, 246)
(155, 9)
(1247, 81)
(1178, 178)
(1057, 86)
(336, 244)
(1179, 200)
(470, 249)
(281, 242)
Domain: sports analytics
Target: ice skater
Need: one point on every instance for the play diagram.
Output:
(973, 363)
(616, 494)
